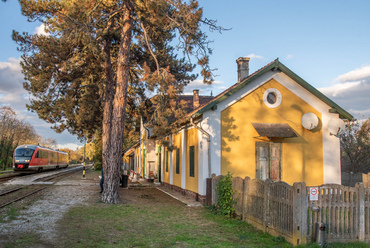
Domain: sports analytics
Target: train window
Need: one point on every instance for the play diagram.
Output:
(52, 158)
(44, 154)
(23, 152)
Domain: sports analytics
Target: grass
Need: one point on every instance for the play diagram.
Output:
(148, 226)
(27, 240)
(133, 226)
(10, 214)
(150, 218)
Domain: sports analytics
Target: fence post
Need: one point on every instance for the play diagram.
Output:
(245, 196)
(361, 211)
(208, 192)
(214, 189)
(300, 206)
(266, 198)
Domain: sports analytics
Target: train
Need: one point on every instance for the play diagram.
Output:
(36, 158)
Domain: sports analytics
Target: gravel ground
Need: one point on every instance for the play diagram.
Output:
(49, 206)
(39, 214)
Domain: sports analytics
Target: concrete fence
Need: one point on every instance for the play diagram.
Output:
(284, 210)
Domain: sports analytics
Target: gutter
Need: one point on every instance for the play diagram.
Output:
(208, 143)
(146, 152)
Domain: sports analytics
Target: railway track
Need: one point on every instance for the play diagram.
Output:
(9, 176)
(13, 195)
(18, 198)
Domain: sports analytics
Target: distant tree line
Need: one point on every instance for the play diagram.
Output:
(355, 147)
(14, 132)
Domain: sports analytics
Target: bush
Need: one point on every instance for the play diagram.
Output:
(226, 202)
(98, 166)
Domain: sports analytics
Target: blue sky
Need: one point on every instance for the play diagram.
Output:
(327, 43)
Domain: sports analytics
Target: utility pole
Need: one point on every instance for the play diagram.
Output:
(84, 168)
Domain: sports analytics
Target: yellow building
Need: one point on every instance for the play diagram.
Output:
(269, 125)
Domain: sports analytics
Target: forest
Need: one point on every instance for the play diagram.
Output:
(15, 131)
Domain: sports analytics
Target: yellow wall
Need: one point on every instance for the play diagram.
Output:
(144, 162)
(176, 140)
(166, 175)
(159, 155)
(192, 140)
(302, 157)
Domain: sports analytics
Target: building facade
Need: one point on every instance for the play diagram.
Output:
(269, 125)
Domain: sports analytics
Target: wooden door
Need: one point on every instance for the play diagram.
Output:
(275, 161)
(268, 161)
(262, 160)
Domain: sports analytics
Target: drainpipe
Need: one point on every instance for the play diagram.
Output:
(146, 152)
(208, 142)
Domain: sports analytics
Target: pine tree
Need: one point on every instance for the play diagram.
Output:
(99, 59)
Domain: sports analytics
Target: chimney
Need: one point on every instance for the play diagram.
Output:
(243, 68)
(195, 99)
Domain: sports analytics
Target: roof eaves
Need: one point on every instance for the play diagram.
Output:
(230, 91)
(335, 107)
(275, 65)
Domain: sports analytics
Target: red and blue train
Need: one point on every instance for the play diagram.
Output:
(35, 158)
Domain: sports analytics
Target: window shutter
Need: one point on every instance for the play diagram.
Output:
(191, 160)
(178, 161)
(166, 161)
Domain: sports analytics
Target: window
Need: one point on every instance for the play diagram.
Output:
(166, 161)
(23, 152)
(191, 161)
(272, 98)
(268, 161)
(45, 154)
(177, 160)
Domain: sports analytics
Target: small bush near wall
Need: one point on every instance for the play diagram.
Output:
(225, 202)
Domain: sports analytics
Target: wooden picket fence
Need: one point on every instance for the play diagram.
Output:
(284, 210)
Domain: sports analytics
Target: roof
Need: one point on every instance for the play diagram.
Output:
(274, 130)
(189, 101)
(275, 65)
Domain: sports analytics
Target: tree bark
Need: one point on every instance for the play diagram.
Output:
(112, 143)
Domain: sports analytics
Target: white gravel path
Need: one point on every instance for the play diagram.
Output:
(42, 216)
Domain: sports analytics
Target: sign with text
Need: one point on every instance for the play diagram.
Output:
(314, 193)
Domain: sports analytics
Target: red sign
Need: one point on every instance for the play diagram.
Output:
(314, 194)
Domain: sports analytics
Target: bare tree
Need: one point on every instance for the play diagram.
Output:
(355, 147)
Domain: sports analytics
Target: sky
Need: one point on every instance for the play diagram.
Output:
(327, 43)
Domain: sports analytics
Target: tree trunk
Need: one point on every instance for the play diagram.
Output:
(114, 123)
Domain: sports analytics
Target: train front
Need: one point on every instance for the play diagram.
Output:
(22, 157)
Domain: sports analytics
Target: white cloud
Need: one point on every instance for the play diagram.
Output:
(41, 30)
(11, 81)
(12, 64)
(12, 94)
(355, 75)
(340, 88)
(290, 56)
(71, 146)
(351, 91)
(254, 56)
(204, 89)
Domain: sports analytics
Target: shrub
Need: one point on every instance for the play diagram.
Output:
(98, 166)
(226, 202)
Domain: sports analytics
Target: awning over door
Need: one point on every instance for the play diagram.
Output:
(274, 130)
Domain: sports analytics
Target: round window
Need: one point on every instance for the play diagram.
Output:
(272, 98)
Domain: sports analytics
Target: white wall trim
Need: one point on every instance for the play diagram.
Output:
(171, 161)
(211, 123)
(183, 159)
